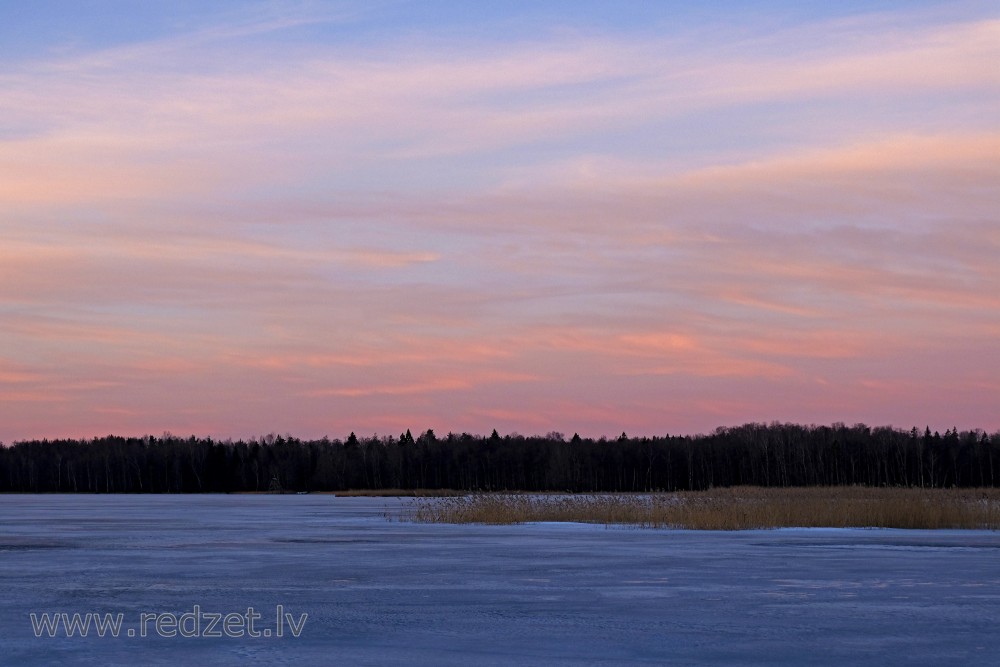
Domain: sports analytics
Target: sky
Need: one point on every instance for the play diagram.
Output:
(233, 219)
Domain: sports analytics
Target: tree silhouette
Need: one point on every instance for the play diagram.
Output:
(752, 454)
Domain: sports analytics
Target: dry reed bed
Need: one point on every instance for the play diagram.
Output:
(739, 508)
(402, 493)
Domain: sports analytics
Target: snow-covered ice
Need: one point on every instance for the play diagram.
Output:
(379, 592)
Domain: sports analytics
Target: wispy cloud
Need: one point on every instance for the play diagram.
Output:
(667, 230)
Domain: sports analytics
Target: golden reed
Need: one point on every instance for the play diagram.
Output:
(737, 508)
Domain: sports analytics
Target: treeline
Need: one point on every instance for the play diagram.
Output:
(769, 455)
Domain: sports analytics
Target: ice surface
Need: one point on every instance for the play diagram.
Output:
(380, 592)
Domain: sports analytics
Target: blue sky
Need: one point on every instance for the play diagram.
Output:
(231, 218)
(46, 27)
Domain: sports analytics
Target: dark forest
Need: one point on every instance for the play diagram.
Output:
(768, 455)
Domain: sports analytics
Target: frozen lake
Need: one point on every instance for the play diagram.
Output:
(379, 592)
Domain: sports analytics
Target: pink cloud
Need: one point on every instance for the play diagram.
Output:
(535, 235)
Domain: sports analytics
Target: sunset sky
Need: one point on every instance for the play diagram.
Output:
(232, 219)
